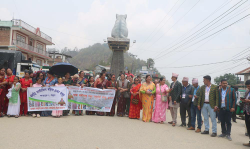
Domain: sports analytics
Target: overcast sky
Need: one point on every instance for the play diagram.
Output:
(162, 29)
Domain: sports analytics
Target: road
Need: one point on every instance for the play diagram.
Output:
(102, 132)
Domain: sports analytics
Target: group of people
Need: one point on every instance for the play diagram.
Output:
(133, 95)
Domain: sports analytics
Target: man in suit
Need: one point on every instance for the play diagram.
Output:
(227, 103)
(194, 110)
(186, 98)
(208, 103)
(246, 109)
(174, 96)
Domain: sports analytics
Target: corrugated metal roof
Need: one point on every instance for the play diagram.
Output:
(245, 71)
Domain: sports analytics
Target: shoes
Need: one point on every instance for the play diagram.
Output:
(205, 132)
(229, 138)
(221, 135)
(234, 121)
(34, 115)
(218, 122)
(173, 124)
(198, 130)
(246, 144)
(170, 122)
(191, 128)
(214, 135)
(38, 115)
(183, 125)
(246, 134)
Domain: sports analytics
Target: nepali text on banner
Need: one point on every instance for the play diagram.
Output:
(91, 99)
(47, 98)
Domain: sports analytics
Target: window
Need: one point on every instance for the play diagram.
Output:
(20, 38)
(39, 62)
(31, 42)
(25, 67)
(39, 47)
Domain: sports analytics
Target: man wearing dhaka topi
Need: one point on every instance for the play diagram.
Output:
(174, 97)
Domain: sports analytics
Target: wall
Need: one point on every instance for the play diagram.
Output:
(4, 36)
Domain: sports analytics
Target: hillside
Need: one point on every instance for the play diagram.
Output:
(88, 58)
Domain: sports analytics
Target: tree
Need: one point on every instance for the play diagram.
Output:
(231, 79)
(150, 62)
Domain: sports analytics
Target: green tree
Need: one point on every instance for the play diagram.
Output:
(150, 62)
(231, 79)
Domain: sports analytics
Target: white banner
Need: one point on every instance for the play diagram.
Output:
(47, 98)
(92, 99)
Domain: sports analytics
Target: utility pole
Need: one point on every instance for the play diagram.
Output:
(134, 56)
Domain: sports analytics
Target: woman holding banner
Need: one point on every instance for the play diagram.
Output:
(135, 102)
(37, 84)
(67, 82)
(50, 80)
(101, 84)
(90, 84)
(122, 87)
(147, 90)
(112, 85)
(25, 83)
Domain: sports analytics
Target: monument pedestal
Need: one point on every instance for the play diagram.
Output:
(118, 46)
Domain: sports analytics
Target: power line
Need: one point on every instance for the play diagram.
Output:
(213, 33)
(201, 64)
(205, 33)
(162, 20)
(223, 66)
(175, 23)
(201, 28)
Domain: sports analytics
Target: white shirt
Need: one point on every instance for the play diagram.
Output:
(207, 91)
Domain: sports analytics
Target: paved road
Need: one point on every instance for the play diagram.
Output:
(92, 132)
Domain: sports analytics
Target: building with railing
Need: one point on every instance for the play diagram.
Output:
(19, 35)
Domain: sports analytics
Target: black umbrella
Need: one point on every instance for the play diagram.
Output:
(62, 68)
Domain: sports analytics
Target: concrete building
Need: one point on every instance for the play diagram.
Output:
(57, 57)
(19, 35)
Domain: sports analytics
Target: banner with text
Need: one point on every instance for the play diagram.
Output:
(47, 98)
(91, 99)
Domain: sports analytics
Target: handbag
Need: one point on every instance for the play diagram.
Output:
(163, 98)
(126, 95)
(135, 101)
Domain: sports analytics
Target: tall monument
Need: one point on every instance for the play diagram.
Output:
(118, 43)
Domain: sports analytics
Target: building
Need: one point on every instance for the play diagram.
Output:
(245, 73)
(19, 35)
(57, 57)
(99, 68)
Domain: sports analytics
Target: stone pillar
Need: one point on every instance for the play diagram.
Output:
(117, 63)
(118, 46)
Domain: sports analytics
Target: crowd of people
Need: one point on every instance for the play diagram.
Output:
(133, 95)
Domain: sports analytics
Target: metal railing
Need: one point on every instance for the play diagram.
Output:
(31, 48)
(30, 28)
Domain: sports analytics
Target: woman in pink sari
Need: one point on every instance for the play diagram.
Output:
(162, 89)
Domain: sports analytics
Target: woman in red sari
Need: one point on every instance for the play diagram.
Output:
(134, 112)
(101, 84)
(112, 85)
(25, 82)
(3, 82)
(10, 80)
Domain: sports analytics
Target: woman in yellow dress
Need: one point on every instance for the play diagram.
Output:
(146, 92)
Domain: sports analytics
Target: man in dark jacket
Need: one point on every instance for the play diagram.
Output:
(186, 98)
(227, 103)
(174, 96)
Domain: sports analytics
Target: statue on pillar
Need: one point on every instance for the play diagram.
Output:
(120, 29)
